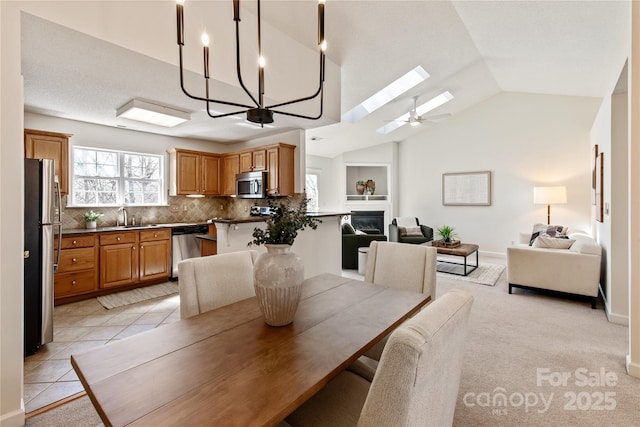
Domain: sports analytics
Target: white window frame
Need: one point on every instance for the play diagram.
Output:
(120, 194)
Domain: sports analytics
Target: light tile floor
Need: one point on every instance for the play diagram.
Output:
(48, 375)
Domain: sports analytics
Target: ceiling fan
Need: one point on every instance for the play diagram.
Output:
(414, 119)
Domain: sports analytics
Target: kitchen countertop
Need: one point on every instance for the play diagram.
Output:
(128, 228)
(263, 218)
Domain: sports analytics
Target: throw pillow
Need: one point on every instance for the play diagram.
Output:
(549, 230)
(552, 243)
(348, 228)
(402, 231)
(414, 232)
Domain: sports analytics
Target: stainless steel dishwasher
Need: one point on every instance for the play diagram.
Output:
(184, 244)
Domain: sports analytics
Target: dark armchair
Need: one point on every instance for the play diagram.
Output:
(409, 230)
(351, 242)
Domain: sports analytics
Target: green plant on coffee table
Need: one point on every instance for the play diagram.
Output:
(447, 233)
(91, 216)
(283, 225)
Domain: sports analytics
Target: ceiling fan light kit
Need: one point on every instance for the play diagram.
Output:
(258, 112)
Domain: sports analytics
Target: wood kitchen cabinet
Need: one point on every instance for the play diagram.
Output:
(155, 254)
(194, 172)
(78, 269)
(230, 168)
(118, 259)
(280, 165)
(50, 145)
(129, 257)
(251, 161)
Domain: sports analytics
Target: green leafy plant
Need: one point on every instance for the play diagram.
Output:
(446, 232)
(91, 216)
(283, 225)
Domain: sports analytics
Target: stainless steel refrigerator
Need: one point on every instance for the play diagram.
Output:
(42, 216)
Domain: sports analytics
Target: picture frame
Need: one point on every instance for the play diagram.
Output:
(593, 174)
(466, 188)
(599, 194)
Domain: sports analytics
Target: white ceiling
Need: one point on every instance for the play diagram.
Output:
(474, 49)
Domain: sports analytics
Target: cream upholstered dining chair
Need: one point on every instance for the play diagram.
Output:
(213, 281)
(417, 380)
(408, 267)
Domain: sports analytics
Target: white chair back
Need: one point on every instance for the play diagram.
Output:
(402, 266)
(214, 281)
(418, 377)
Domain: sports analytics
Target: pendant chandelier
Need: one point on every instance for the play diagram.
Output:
(257, 111)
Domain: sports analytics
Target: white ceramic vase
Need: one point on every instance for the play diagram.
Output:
(278, 275)
(91, 224)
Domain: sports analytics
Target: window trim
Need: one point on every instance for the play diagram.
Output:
(71, 202)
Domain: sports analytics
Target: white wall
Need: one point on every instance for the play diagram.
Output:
(525, 141)
(11, 219)
(329, 199)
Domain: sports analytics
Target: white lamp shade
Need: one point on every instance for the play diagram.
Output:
(549, 195)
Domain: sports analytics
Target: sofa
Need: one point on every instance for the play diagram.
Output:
(351, 241)
(409, 230)
(569, 266)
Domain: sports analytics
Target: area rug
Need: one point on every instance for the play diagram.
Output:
(485, 274)
(137, 295)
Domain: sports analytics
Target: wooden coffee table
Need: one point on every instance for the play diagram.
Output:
(464, 250)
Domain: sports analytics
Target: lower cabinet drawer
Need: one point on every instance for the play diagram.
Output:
(66, 284)
(77, 259)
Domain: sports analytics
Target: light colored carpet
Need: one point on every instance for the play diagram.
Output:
(137, 295)
(485, 274)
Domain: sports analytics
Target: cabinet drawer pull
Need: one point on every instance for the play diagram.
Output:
(73, 282)
(73, 260)
(74, 242)
(133, 248)
(118, 238)
(155, 234)
(141, 247)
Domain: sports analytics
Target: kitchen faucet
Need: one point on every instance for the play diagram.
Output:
(124, 214)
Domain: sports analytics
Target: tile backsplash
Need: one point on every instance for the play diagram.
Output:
(180, 209)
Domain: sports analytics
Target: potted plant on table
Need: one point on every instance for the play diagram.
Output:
(278, 273)
(90, 218)
(447, 233)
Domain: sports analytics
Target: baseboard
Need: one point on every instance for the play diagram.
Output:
(501, 255)
(618, 319)
(633, 369)
(14, 418)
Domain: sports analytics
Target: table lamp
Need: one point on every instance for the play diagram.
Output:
(548, 196)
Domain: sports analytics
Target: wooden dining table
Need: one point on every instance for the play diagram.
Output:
(227, 367)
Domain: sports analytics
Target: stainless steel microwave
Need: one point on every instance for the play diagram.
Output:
(251, 185)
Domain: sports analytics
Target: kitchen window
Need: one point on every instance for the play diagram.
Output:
(102, 177)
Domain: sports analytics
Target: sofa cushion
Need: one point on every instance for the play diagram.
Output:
(348, 228)
(552, 243)
(410, 231)
(585, 245)
(360, 232)
(548, 230)
(406, 221)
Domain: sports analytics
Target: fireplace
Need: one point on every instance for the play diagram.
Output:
(371, 222)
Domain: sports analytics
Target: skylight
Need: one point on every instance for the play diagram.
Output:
(386, 94)
(431, 104)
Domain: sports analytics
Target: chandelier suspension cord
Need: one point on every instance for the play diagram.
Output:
(236, 17)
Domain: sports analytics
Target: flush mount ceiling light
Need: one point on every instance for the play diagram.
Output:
(258, 111)
(147, 112)
(418, 111)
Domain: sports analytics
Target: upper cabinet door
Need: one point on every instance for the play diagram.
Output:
(230, 168)
(188, 173)
(210, 185)
(246, 162)
(259, 160)
(50, 145)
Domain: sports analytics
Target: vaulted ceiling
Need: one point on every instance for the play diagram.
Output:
(473, 49)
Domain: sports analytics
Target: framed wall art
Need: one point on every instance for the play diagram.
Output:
(593, 174)
(599, 196)
(466, 188)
